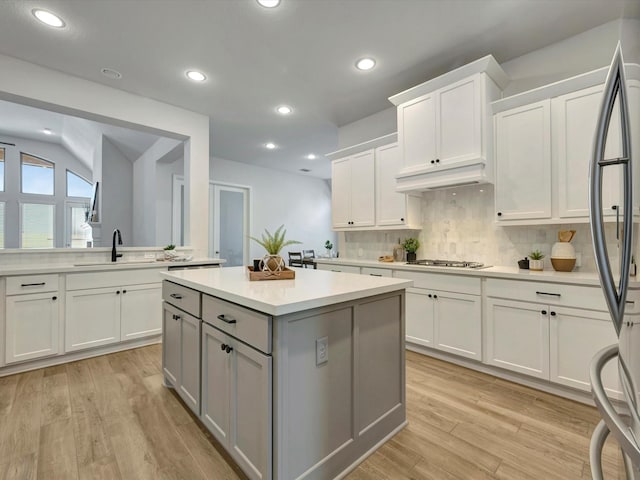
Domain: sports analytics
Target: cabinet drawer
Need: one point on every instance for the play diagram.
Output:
(182, 297)
(338, 268)
(436, 281)
(81, 281)
(251, 327)
(376, 272)
(551, 293)
(32, 284)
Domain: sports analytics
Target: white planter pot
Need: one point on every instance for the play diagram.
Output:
(536, 265)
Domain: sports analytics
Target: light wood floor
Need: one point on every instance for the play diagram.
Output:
(110, 417)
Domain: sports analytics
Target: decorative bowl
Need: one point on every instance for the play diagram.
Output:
(563, 264)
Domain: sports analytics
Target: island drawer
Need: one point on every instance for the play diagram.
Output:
(253, 328)
(32, 284)
(184, 298)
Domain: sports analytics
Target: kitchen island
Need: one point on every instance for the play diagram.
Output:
(295, 378)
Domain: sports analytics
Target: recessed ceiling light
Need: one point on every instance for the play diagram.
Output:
(111, 73)
(47, 131)
(284, 110)
(365, 64)
(311, 156)
(269, 3)
(48, 18)
(196, 76)
(270, 145)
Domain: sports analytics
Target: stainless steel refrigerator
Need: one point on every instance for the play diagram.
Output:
(622, 421)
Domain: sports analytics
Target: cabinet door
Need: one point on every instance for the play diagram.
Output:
(419, 317)
(141, 311)
(341, 193)
(523, 162)
(31, 326)
(517, 337)
(391, 206)
(417, 132)
(92, 318)
(458, 324)
(573, 128)
(576, 336)
(216, 383)
(189, 380)
(171, 345)
(251, 411)
(363, 196)
(459, 121)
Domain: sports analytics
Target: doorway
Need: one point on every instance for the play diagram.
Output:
(229, 223)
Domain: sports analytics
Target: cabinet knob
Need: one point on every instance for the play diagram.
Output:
(124, 291)
(402, 219)
(433, 161)
(223, 347)
(228, 349)
(117, 292)
(543, 312)
(553, 314)
(614, 207)
(499, 214)
(435, 296)
(54, 298)
(437, 160)
(429, 295)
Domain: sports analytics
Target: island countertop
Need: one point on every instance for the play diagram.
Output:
(310, 288)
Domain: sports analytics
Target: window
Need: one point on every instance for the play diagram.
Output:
(1, 224)
(37, 175)
(78, 186)
(78, 230)
(37, 220)
(2, 171)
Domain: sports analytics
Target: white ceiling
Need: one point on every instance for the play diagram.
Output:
(301, 54)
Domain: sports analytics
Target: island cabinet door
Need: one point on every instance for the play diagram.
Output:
(189, 384)
(216, 383)
(171, 345)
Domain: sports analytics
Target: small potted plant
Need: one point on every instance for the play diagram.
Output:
(170, 252)
(411, 246)
(536, 262)
(329, 246)
(272, 261)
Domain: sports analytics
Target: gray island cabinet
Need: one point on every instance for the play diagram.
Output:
(297, 379)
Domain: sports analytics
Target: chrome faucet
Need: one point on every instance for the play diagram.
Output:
(115, 255)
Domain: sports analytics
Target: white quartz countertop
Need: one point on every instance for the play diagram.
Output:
(550, 275)
(97, 266)
(310, 289)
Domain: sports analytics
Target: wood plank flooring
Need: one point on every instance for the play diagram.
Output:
(110, 418)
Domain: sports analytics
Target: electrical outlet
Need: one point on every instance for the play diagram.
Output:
(322, 350)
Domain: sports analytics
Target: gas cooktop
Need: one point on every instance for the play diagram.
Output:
(448, 263)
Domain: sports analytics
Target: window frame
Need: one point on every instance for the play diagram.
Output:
(21, 176)
(66, 184)
(4, 169)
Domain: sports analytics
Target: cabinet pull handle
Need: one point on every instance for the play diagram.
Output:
(375, 274)
(54, 298)
(553, 314)
(176, 296)
(225, 319)
(543, 312)
(40, 284)
(222, 347)
(336, 271)
(228, 349)
(550, 294)
(178, 317)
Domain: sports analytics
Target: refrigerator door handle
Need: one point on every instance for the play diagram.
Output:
(618, 428)
(614, 86)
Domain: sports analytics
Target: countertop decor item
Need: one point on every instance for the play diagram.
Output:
(523, 264)
(398, 252)
(563, 255)
(385, 258)
(170, 252)
(411, 246)
(272, 262)
(328, 246)
(536, 262)
(284, 274)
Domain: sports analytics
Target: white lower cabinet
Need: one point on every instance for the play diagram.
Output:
(236, 400)
(100, 316)
(517, 337)
(418, 317)
(32, 325)
(339, 268)
(181, 354)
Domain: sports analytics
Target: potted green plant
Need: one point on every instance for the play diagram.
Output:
(170, 252)
(536, 262)
(329, 246)
(273, 244)
(411, 246)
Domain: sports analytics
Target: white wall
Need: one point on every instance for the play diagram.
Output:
(368, 128)
(64, 93)
(164, 205)
(116, 209)
(302, 204)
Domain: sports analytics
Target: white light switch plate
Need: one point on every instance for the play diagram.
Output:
(322, 350)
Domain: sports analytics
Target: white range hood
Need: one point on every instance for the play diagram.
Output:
(462, 174)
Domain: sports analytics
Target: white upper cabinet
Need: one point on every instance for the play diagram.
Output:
(544, 146)
(363, 188)
(444, 128)
(523, 166)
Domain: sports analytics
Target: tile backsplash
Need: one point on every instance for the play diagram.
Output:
(459, 224)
